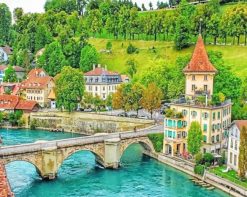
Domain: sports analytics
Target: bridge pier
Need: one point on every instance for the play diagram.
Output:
(49, 163)
(112, 150)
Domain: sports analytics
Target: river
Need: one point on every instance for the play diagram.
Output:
(80, 176)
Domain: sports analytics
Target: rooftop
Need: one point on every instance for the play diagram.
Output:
(7, 49)
(200, 61)
(240, 124)
(100, 71)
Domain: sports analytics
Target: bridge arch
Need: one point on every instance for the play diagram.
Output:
(144, 142)
(99, 157)
(27, 160)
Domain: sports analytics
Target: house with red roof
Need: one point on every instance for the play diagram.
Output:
(10, 88)
(102, 82)
(37, 87)
(214, 119)
(234, 143)
(10, 103)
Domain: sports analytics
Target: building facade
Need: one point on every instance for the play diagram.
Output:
(102, 82)
(214, 119)
(5, 52)
(37, 87)
(234, 142)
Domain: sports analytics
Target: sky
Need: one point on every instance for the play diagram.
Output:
(37, 5)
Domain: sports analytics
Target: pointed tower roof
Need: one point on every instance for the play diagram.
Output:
(199, 61)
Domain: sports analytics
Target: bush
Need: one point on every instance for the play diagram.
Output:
(222, 160)
(208, 157)
(199, 169)
(132, 49)
(33, 124)
(157, 141)
(199, 158)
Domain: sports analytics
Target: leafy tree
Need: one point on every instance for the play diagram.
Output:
(131, 49)
(61, 5)
(109, 100)
(136, 96)
(120, 99)
(42, 37)
(18, 13)
(10, 75)
(15, 117)
(244, 89)
(70, 87)
(242, 163)
(5, 23)
(131, 67)
(151, 100)
(94, 21)
(89, 56)
(194, 140)
(143, 7)
(53, 59)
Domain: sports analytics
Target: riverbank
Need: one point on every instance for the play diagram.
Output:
(188, 168)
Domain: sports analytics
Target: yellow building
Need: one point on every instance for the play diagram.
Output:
(37, 87)
(214, 119)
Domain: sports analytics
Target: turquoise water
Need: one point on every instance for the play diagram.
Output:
(80, 176)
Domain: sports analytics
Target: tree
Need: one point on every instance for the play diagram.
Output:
(42, 37)
(70, 87)
(136, 96)
(120, 99)
(18, 13)
(61, 5)
(53, 59)
(143, 7)
(194, 140)
(242, 160)
(5, 23)
(109, 100)
(89, 56)
(151, 100)
(10, 75)
(244, 89)
(131, 67)
(150, 5)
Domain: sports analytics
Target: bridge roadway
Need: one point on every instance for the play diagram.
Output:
(48, 156)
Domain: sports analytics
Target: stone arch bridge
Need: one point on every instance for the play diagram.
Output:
(48, 156)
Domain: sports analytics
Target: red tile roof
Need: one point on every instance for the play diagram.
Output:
(100, 71)
(16, 68)
(12, 102)
(8, 101)
(37, 78)
(26, 105)
(14, 87)
(241, 123)
(5, 190)
(199, 61)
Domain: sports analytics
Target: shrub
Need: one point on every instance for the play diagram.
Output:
(199, 169)
(33, 124)
(109, 45)
(199, 158)
(208, 157)
(131, 49)
(157, 141)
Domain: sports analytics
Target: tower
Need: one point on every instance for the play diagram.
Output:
(199, 72)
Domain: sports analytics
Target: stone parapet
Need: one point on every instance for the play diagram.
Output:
(5, 190)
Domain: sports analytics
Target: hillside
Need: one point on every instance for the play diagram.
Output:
(235, 56)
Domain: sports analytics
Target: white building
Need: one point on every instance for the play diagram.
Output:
(5, 52)
(234, 142)
(102, 82)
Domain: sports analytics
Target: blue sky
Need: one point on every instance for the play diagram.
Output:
(37, 5)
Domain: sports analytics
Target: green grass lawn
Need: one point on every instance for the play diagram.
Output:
(235, 56)
(230, 175)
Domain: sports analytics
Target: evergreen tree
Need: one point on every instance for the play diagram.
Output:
(5, 24)
(194, 141)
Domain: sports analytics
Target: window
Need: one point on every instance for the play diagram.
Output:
(205, 77)
(231, 143)
(193, 113)
(236, 145)
(230, 157)
(193, 77)
(218, 115)
(212, 139)
(204, 138)
(205, 127)
(193, 87)
(217, 138)
(103, 88)
(213, 115)
(184, 112)
(235, 160)
(205, 88)
(96, 88)
(205, 115)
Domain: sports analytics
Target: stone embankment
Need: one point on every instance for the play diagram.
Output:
(208, 178)
(5, 190)
(87, 123)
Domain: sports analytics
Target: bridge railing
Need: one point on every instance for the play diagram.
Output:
(34, 147)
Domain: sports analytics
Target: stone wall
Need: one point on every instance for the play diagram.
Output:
(87, 123)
